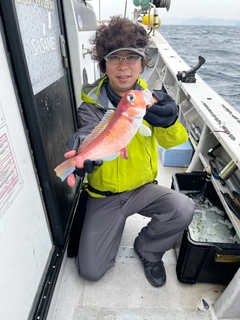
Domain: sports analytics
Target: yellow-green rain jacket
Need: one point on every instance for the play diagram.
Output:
(121, 175)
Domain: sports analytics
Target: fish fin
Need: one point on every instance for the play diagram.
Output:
(148, 97)
(65, 169)
(124, 153)
(111, 157)
(97, 130)
(145, 131)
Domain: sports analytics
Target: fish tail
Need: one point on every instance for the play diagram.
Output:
(65, 169)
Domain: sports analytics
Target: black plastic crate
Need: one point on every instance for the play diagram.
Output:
(210, 262)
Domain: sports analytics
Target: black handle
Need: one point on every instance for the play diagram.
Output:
(201, 61)
(189, 76)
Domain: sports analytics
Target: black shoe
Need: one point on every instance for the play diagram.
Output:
(154, 271)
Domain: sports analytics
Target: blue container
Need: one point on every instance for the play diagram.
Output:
(179, 156)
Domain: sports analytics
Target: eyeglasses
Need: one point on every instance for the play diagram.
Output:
(131, 59)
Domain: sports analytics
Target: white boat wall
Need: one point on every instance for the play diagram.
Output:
(45, 57)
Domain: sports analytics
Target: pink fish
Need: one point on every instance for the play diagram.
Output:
(112, 135)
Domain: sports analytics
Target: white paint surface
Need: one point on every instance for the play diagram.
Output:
(25, 242)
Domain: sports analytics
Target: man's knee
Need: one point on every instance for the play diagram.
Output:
(91, 271)
(91, 274)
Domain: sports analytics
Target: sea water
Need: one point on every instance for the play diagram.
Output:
(210, 223)
(220, 46)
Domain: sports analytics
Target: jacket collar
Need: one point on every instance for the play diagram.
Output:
(96, 93)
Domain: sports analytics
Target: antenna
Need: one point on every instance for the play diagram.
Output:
(125, 10)
(99, 5)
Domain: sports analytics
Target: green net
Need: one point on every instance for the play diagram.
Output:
(142, 3)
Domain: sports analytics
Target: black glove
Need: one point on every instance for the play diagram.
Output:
(88, 166)
(76, 140)
(163, 113)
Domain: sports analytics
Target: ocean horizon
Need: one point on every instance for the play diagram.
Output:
(220, 46)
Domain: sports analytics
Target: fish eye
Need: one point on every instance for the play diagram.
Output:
(131, 97)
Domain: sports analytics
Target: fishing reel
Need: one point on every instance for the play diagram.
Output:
(162, 3)
(189, 76)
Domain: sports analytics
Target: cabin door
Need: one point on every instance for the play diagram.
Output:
(37, 116)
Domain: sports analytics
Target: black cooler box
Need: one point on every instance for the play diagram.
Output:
(211, 262)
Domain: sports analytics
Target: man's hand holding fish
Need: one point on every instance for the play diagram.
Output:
(111, 136)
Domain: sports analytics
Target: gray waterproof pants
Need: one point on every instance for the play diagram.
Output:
(171, 213)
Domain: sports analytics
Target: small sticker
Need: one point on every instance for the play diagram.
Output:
(10, 179)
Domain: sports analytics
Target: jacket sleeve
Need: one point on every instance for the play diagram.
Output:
(88, 117)
(171, 136)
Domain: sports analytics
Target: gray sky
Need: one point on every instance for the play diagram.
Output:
(223, 9)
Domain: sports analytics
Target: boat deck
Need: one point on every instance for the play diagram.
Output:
(125, 294)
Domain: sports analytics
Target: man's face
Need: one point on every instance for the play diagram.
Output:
(123, 75)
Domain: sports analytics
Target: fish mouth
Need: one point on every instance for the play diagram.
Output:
(147, 94)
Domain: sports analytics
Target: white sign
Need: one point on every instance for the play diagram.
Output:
(40, 31)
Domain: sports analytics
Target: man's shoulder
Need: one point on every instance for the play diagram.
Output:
(91, 110)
